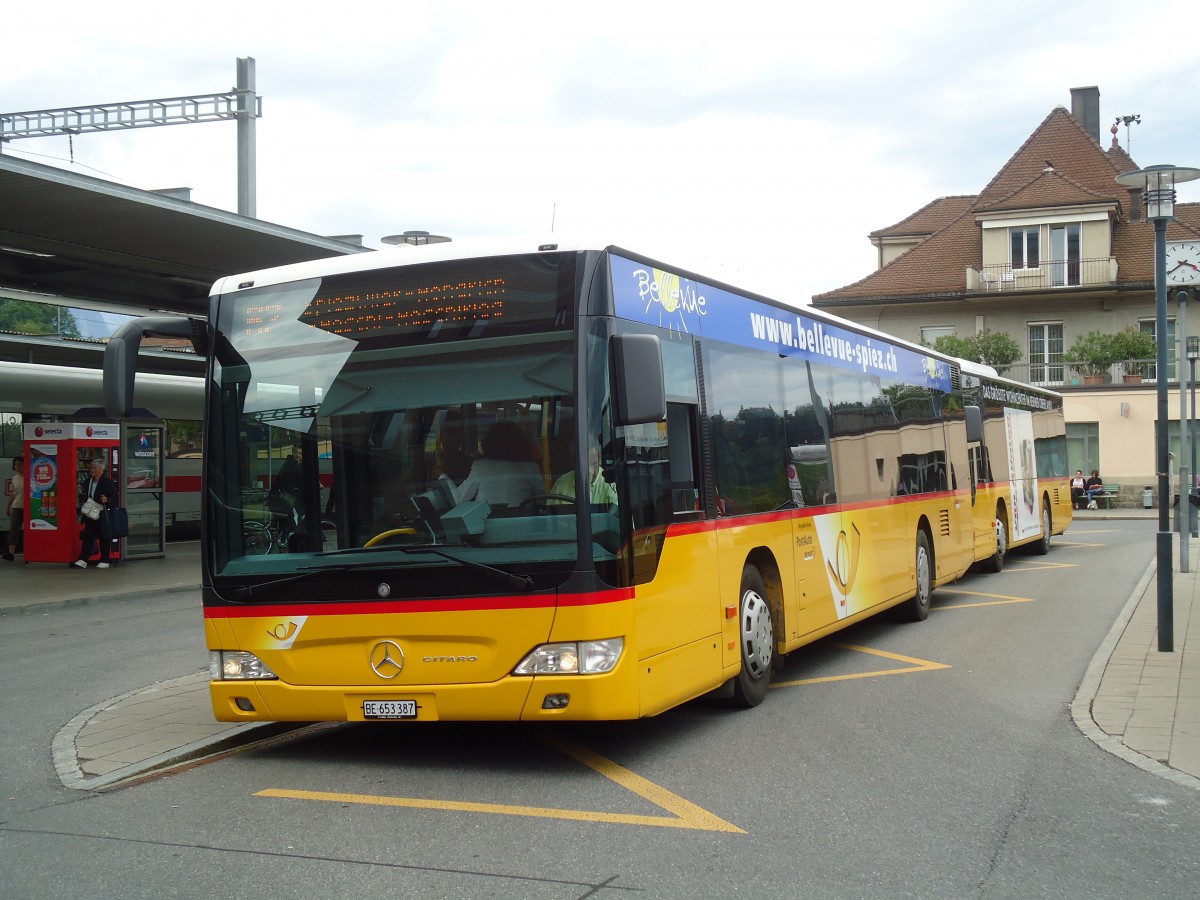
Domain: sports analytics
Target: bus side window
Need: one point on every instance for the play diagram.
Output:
(685, 486)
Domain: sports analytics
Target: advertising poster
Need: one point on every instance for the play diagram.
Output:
(143, 459)
(42, 514)
(1022, 466)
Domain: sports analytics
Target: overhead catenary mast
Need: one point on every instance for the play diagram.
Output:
(241, 103)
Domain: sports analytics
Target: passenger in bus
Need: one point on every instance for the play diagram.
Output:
(600, 490)
(506, 475)
(1078, 490)
(453, 460)
(103, 490)
(1095, 487)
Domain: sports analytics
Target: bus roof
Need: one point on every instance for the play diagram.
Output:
(478, 248)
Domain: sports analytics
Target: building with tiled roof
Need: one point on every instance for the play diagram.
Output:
(1049, 250)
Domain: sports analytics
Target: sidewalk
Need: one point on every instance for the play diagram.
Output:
(150, 728)
(1135, 702)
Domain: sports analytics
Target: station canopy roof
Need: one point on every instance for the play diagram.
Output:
(78, 237)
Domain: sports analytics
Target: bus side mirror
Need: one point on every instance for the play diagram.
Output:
(638, 379)
(974, 418)
(120, 357)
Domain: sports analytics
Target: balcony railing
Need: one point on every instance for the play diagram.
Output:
(1056, 375)
(1051, 274)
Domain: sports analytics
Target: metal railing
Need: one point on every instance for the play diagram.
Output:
(1129, 373)
(1050, 274)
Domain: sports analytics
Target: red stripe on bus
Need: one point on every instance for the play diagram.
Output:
(461, 604)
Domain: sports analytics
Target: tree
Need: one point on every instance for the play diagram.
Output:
(1093, 354)
(992, 348)
(24, 317)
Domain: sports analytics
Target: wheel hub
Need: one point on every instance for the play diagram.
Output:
(756, 634)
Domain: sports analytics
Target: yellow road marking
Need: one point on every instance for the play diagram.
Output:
(683, 813)
(997, 600)
(1038, 566)
(915, 665)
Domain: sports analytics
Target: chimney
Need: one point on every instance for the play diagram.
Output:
(1085, 106)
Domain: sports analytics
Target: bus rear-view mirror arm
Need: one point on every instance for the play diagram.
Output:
(120, 357)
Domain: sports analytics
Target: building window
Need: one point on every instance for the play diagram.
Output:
(1025, 249)
(1065, 242)
(930, 333)
(1046, 352)
(1083, 446)
(1150, 326)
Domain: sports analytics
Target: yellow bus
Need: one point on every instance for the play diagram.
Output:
(545, 481)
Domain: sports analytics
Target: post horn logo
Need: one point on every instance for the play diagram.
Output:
(844, 566)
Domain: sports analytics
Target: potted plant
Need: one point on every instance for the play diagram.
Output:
(1093, 354)
(1137, 347)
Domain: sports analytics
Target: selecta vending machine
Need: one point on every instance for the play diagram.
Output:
(57, 455)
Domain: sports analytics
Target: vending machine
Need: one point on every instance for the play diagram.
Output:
(57, 456)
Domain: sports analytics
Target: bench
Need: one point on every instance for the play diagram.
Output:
(1108, 493)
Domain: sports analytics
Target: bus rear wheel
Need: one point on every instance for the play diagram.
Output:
(756, 634)
(1042, 547)
(995, 563)
(917, 608)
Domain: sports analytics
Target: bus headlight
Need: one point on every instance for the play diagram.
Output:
(573, 658)
(236, 665)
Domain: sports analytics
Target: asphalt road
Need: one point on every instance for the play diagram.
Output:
(936, 759)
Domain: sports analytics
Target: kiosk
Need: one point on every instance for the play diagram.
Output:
(56, 474)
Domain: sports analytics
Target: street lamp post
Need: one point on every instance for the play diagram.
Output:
(1182, 515)
(1193, 354)
(1158, 186)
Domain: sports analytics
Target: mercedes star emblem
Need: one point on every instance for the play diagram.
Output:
(387, 659)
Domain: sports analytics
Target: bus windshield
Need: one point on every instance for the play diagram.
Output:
(415, 418)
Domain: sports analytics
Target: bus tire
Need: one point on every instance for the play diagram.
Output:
(1042, 547)
(995, 562)
(917, 607)
(756, 637)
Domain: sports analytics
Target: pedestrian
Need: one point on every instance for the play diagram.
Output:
(285, 500)
(1094, 487)
(1078, 490)
(103, 490)
(16, 508)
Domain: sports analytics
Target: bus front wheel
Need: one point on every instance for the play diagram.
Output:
(756, 633)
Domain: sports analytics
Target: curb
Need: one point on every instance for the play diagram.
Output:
(66, 758)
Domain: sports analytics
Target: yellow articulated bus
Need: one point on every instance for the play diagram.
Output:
(542, 481)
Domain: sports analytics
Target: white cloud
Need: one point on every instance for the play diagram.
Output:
(759, 143)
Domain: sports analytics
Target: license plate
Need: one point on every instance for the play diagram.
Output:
(390, 709)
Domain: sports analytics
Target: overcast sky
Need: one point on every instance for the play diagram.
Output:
(756, 142)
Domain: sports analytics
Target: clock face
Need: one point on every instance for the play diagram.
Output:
(1183, 262)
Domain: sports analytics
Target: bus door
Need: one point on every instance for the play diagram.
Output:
(982, 509)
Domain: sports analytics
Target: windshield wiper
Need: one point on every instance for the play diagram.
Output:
(519, 582)
(250, 590)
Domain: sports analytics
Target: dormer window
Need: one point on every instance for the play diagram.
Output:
(1025, 247)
